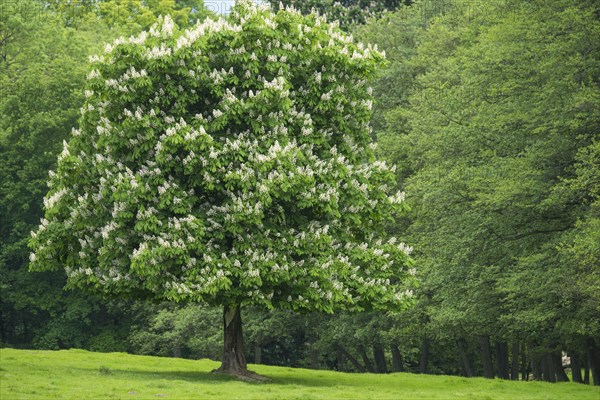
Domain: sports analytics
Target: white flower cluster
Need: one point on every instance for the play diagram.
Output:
(51, 201)
(93, 74)
(397, 198)
(158, 52)
(205, 28)
(132, 73)
(405, 249)
(275, 84)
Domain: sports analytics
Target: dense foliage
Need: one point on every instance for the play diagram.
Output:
(221, 165)
(495, 134)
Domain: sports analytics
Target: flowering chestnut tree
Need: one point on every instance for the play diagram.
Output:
(230, 164)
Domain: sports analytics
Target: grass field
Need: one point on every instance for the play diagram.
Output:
(78, 374)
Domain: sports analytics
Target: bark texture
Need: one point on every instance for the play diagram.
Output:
(234, 357)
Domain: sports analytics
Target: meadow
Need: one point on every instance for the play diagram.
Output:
(78, 374)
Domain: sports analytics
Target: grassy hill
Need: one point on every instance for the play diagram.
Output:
(78, 374)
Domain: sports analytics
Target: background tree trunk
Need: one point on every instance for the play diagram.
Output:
(397, 361)
(257, 354)
(561, 375)
(502, 360)
(177, 350)
(524, 363)
(594, 361)
(350, 358)
(464, 357)
(486, 357)
(514, 371)
(536, 367)
(424, 358)
(379, 357)
(363, 354)
(314, 357)
(586, 373)
(575, 367)
(548, 368)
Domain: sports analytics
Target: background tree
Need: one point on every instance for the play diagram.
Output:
(348, 13)
(41, 74)
(207, 169)
(190, 331)
(128, 16)
(489, 172)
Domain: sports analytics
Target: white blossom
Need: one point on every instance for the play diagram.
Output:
(93, 74)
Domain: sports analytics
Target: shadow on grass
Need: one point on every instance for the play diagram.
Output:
(210, 378)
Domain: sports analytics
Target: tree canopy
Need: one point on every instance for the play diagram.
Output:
(205, 168)
(229, 164)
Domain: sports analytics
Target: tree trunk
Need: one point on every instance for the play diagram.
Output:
(314, 358)
(379, 357)
(2, 331)
(26, 331)
(536, 369)
(524, 364)
(594, 352)
(365, 357)
(548, 368)
(586, 374)
(464, 358)
(502, 360)
(177, 350)
(575, 367)
(561, 375)
(350, 358)
(397, 361)
(257, 354)
(486, 357)
(234, 357)
(424, 358)
(514, 370)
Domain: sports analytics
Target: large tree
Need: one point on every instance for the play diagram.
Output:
(230, 164)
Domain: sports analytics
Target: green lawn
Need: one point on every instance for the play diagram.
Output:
(78, 374)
